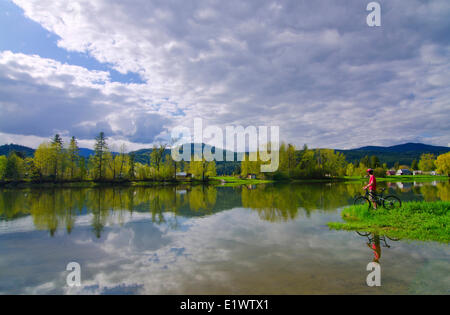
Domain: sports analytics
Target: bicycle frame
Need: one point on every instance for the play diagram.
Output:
(388, 201)
(377, 197)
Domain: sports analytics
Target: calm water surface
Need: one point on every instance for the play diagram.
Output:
(270, 239)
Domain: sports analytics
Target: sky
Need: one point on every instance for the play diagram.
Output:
(137, 69)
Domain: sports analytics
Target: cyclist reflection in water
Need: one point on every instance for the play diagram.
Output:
(374, 244)
(375, 241)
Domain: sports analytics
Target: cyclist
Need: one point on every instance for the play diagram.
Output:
(372, 185)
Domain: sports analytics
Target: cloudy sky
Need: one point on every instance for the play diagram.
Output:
(136, 69)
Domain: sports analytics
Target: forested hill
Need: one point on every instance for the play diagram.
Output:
(403, 153)
(143, 156)
(20, 149)
(29, 152)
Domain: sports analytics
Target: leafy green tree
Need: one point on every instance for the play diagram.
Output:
(333, 163)
(350, 170)
(211, 169)
(44, 160)
(365, 161)
(202, 169)
(426, 162)
(170, 167)
(156, 156)
(443, 164)
(14, 169)
(30, 170)
(110, 167)
(250, 167)
(287, 157)
(3, 161)
(380, 172)
(361, 170)
(308, 167)
(122, 163)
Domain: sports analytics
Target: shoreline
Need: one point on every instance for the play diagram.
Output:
(217, 181)
(413, 220)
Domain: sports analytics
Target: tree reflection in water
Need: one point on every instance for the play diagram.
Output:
(58, 208)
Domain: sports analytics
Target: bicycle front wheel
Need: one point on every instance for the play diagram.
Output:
(362, 201)
(392, 202)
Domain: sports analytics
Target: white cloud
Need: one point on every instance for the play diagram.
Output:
(42, 96)
(314, 68)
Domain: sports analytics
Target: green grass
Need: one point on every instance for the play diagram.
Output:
(230, 180)
(400, 178)
(423, 221)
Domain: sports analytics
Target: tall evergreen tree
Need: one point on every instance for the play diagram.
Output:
(132, 169)
(292, 160)
(74, 156)
(57, 151)
(374, 161)
(101, 149)
(414, 165)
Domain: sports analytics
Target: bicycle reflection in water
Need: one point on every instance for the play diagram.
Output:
(375, 242)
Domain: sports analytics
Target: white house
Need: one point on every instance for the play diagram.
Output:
(404, 172)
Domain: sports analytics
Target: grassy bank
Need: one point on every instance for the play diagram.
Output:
(400, 178)
(235, 181)
(91, 184)
(423, 221)
(216, 180)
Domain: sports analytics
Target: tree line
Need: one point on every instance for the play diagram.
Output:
(323, 163)
(56, 162)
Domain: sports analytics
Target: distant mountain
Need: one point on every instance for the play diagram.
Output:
(402, 153)
(8, 148)
(29, 152)
(407, 147)
(86, 152)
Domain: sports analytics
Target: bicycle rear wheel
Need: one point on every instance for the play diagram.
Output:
(393, 239)
(392, 202)
(362, 201)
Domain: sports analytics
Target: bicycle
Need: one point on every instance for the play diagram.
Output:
(371, 237)
(388, 202)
